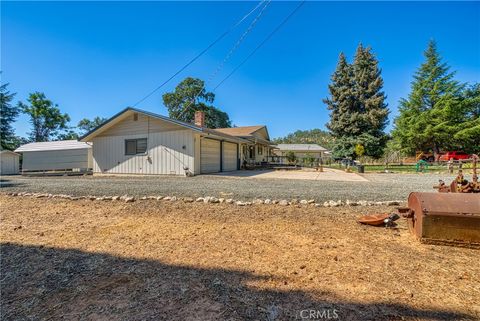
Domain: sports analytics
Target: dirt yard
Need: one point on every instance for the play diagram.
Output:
(153, 260)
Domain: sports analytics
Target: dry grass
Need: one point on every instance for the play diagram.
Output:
(176, 261)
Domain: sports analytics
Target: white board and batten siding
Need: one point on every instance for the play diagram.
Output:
(57, 160)
(170, 148)
(9, 163)
(57, 155)
(209, 156)
(230, 157)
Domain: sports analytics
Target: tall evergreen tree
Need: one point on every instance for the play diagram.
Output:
(357, 103)
(341, 106)
(468, 134)
(340, 102)
(429, 118)
(371, 110)
(8, 115)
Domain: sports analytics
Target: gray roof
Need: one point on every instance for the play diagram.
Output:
(6, 151)
(301, 147)
(204, 130)
(57, 145)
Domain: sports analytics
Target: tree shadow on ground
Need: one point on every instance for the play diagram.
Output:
(40, 283)
(9, 183)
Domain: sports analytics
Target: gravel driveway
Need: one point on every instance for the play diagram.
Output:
(379, 187)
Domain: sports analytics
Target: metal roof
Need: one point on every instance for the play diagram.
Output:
(301, 147)
(6, 151)
(57, 145)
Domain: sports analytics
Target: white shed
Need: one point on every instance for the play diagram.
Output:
(59, 155)
(9, 162)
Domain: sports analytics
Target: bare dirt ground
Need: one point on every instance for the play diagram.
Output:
(151, 260)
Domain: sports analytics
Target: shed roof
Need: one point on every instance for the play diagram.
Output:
(6, 151)
(301, 147)
(57, 145)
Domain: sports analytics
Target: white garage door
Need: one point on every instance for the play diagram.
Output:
(229, 157)
(209, 156)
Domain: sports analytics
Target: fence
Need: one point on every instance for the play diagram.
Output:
(299, 161)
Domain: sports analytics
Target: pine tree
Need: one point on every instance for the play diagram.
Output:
(340, 101)
(430, 117)
(341, 106)
(357, 103)
(371, 112)
(8, 115)
(468, 134)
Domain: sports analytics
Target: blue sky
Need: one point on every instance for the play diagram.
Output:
(95, 58)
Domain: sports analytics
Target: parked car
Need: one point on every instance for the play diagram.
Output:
(348, 162)
(455, 156)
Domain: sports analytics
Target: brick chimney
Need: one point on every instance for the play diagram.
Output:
(200, 118)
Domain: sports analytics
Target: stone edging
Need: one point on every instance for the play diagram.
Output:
(208, 199)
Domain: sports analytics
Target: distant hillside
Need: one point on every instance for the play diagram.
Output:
(312, 136)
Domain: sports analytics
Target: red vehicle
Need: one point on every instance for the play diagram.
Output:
(455, 156)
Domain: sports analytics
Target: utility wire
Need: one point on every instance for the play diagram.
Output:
(228, 55)
(239, 41)
(261, 44)
(200, 54)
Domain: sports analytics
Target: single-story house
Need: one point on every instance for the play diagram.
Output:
(135, 141)
(259, 147)
(64, 155)
(9, 162)
(301, 151)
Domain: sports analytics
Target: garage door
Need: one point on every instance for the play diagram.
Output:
(209, 156)
(229, 157)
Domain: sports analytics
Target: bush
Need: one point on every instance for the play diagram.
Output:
(309, 160)
(291, 158)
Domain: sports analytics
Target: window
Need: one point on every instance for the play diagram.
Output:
(260, 150)
(135, 146)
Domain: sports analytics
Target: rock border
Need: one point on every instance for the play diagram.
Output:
(209, 199)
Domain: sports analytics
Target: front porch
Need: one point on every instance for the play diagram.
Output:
(256, 155)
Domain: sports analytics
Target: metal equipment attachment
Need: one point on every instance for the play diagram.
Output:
(445, 218)
(460, 184)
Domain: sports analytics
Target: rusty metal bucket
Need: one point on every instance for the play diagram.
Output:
(444, 218)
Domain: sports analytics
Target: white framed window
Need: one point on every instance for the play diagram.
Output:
(135, 146)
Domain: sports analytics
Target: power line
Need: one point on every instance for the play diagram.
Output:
(201, 53)
(240, 40)
(261, 44)
(228, 55)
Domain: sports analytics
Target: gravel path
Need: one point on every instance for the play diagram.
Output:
(380, 187)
